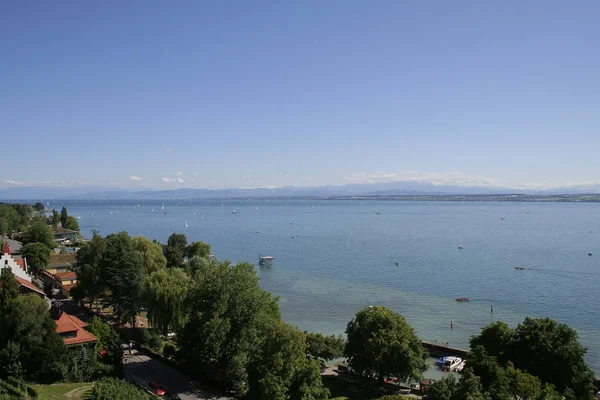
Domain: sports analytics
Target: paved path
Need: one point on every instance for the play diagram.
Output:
(142, 369)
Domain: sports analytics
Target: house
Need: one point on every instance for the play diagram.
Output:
(18, 266)
(65, 281)
(61, 263)
(64, 236)
(70, 328)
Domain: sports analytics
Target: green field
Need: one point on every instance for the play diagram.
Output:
(66, 391)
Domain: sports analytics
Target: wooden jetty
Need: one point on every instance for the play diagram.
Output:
(265, 260)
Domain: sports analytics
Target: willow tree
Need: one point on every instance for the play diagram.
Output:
(165, 293)
(150, 253)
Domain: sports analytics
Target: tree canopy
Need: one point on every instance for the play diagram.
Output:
(122, 269)
(151, 255)
(39, 206)
(324, 347)
(199, 249)
(14, 217)
(55, 219)
(64, 216)
(39, 232)
(176, 248)
(500, 354)
(89, 268)
(228, 314)
(165, 294)
(71, 223)
(37, 256)
(381, 344)
(117, 389)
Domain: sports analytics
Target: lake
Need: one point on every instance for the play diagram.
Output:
(332, 258)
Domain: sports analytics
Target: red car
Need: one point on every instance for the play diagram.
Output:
(157, 388)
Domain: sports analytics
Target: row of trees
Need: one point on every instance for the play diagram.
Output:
(14, 218)
(230, 329)
(31, 349)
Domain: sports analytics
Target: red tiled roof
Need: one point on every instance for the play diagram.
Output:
(6, 249)
(29, 285)
(70, 323)
(22, 263)
(69, 286)
(64, 276)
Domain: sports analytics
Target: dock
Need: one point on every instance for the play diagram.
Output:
(265, 260)
(441, 350)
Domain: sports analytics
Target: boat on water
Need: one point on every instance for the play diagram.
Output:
(451, 363)
(461, 247)
(463, 299)
(519, 268)
(186, 224)
(234, 212)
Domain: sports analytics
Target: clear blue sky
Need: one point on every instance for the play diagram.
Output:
(254, 93)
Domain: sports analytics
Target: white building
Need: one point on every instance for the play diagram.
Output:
(17, 266)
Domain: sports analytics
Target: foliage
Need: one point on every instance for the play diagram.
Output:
(64, 216)
(39, 232)
(381, 344)
(449, 388)
(165, 293)
(71, 223)
(195, 264)
(122, 269)
(9, 290)
(27, 323)
(169, 350)
(324, 347)
(280, 369)
(151, 255)
(109, 341)
(199, 249)
(534, 346)
(176, 246)
(55, 219)
(229, 314)
(117, 389)
(39, 207)
(14, 217)
(37, 255)
(90, 277)
(151, 338)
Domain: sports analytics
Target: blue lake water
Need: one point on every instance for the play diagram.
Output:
(335, 257)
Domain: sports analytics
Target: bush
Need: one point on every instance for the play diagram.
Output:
(152, 339)
(117, 389)
(169, 350)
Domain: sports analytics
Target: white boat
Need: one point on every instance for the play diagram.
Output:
(186, 224)
(461, 247)
(162, 207)
(450, 363)
(194, 213)
(234, 212)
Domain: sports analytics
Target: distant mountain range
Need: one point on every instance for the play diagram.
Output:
(374, 189)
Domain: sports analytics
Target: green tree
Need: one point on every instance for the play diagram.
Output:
(63, 216)
(324, 347)
(151, 254)
(117, 389)
(39, 232)
(195, 264)
(381, 344)
(449, 388)
(71, 223)
(9, 219)
(229, 314)
(89, 269)
(109, 343)
(280, 370)
(37, 256)
(176, 246)
(9, 289)
(27, 322)
(39, 206)
(122, 268)
(165, 292)
(199, 248)
(55, 219)
(557, 345)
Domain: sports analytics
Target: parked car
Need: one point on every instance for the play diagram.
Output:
(157, 388)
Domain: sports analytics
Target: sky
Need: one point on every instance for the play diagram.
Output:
(158, 94)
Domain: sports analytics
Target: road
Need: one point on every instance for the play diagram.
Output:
(142, 369)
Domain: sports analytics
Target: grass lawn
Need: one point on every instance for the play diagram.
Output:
(341, 390)
(64, 391)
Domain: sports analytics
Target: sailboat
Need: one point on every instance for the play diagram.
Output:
(186, 224)
(233, 212)
(194, 213)
(162, 207)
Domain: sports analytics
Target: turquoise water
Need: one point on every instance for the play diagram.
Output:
(335, 257)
